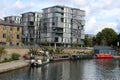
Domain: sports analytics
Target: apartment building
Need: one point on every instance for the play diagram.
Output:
(62, 26)
(13, 19)
(10, 33)
(56, 25)
(31, 27)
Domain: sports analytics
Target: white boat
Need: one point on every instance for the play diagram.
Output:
(38, 63)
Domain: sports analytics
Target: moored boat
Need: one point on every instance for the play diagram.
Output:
(38, 63)
(59, 57)
(104, 56)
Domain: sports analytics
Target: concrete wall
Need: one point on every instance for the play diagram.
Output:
(76, 50)
(25, 51)
(19, 51)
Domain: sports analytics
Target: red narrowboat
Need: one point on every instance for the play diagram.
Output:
(104, 56)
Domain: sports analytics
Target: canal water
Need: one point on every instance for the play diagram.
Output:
(69, 70)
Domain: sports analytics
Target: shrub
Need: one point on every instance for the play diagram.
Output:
(59, 50)
(7, 60)
(2, 51)
(33, 51)
(15, 56)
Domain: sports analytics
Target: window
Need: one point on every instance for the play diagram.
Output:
(18, 28)
(11, 28)
(11, 43)
(56, 39)
(4, 35)
(18, 37)
(17, 44)
(53, 23)
(62, 19)
(4, 27)
(62, 14)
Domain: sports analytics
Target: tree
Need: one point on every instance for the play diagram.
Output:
(88, 41)
(8, 39)
(2, 51)
(106, 37)
(98, 38)
(94, 41)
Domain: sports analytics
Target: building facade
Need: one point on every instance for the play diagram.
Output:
(62, 26)
(10, 34)
(13, 19)
(31, 27)
(56, 25)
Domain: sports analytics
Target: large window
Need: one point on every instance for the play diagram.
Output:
(18, 36)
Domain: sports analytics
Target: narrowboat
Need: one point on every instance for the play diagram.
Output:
(59, 57)
(104, 56)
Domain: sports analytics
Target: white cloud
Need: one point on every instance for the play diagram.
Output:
(90, 25)
(93, 27)
(20, 5)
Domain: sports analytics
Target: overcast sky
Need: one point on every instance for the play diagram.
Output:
(99, 13)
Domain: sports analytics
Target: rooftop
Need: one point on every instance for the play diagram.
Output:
(10, 24)
(32, 12)
(63, 6)
(102, 47)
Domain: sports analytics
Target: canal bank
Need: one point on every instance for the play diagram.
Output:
(9, 66)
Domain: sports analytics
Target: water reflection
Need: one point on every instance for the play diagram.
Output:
(69, 70)
(108, 69)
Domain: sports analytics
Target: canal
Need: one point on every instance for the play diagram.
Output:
(69, 70)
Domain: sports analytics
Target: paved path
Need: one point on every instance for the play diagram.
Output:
(8, 66)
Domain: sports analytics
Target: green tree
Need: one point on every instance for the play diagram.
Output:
(106, 37)
(98, 38)
(2, 51)
(94, 41)
(8, 39)
(88, 41)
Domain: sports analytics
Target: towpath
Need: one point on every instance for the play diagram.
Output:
(8, 66)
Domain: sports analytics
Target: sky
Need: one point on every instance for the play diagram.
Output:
(100, 14)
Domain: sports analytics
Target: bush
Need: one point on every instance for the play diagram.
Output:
(2, 51)
(7, 60)
(58, 51)
(15, 56)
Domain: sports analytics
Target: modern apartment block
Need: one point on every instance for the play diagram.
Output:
(13, 19)
(10, 33)
(31, 27)
(62, 26)
(56, 25)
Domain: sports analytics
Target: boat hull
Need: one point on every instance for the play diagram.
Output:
(40, 65)
(104, 56)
